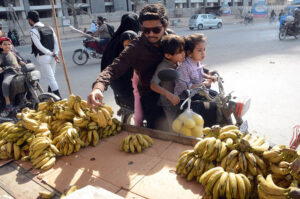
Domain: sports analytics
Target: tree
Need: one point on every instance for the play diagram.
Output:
(71, 5)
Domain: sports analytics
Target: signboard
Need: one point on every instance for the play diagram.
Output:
(225, 8)
(260, 8)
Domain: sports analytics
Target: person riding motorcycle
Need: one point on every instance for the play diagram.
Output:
(103, 32)
(297, 20)
(143, 55)
(7, 59)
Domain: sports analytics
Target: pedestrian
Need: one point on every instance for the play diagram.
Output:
(103, 32)
(45, 49)
(143, 54)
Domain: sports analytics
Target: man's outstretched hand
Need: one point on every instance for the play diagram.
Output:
(95, 98)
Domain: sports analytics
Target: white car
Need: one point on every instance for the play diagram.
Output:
(201, 21)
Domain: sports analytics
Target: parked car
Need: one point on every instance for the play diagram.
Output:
(201, 21)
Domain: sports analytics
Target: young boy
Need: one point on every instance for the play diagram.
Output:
(7, 58)
(173, 49)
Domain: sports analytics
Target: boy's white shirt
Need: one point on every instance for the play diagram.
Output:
(35, 36)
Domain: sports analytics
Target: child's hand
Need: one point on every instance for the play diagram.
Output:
(1, 69)
(213, 78)
(22, 63)
(174, 99)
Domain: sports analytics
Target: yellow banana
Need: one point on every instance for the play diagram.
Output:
(228, 128)
(260, 162)
(108, 108)
(228, 191)
(223, 183)
(17, 151)
(228, 134)
(49, 164)
(278, 170)
(260, 149)
(233, 185)
(148, 139)
(45, 195)
(247, 184)
(78, 110)
(241, 186)
(212, 180)
(205, 176)
(107, 116)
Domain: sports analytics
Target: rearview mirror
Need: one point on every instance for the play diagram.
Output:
(168, 75)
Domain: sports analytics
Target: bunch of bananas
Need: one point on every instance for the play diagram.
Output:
(67, 140)
(56, 128)
(214, 131)
(135, 143)
(244, 162)
(211, 149)
(280, 153)
(14, 141)
(89, 136)
(268, 189)
(191, 166)
(42, 153)
(110, 130)
(220, 183)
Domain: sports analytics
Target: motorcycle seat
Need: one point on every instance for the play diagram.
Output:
(29, 67)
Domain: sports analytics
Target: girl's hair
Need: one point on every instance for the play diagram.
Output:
(172, 44)
(128, 35)
(192, 40)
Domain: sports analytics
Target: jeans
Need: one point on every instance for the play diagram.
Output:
(102, 42)
(153, 113)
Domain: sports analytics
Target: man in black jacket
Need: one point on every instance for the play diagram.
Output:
(45, 49)
(143, 55)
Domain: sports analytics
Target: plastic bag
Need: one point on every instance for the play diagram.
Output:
(189, 123)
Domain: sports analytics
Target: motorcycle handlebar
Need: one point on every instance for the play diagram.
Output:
(8, 68)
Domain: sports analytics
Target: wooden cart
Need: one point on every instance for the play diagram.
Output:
(150, 174)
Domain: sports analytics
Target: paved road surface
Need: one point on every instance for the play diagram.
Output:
(251, 60)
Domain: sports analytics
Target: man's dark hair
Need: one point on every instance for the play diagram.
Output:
(192, 40)
(155, 11)
(101, 18)
(172, 44)
(34, 16)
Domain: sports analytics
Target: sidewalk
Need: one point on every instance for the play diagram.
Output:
(66, 33)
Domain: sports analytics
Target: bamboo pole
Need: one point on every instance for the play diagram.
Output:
(60, 49)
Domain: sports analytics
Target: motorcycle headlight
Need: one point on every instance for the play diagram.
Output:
(35, 75)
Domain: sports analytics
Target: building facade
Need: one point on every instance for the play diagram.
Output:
(19, 8)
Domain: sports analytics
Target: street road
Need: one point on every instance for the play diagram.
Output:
(252, 61)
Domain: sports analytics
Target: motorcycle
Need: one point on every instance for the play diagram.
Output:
(25, 90)
(288, 28)
(228, 106)
(90, 50)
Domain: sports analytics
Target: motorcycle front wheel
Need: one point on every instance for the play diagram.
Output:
(282, 34)
(80, 57)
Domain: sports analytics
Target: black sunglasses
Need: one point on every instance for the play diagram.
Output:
(155, 30)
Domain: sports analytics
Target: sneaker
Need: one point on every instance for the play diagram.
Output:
(6, 111)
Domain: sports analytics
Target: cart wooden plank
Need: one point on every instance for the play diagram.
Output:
(163, 135)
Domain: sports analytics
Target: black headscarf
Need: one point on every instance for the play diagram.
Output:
(129, 21)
